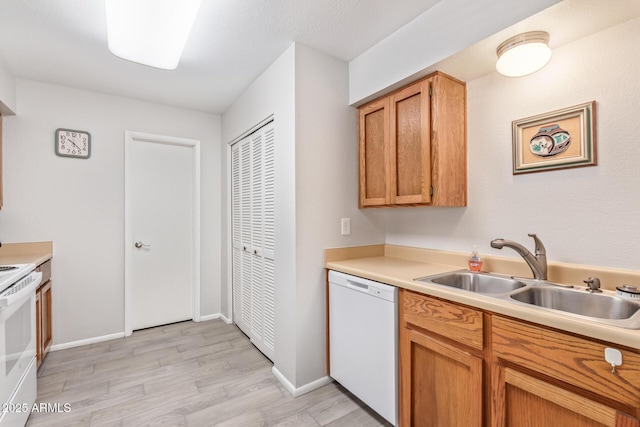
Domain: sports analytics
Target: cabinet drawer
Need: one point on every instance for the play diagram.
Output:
(45, 268)
(574, 360)
(453, 321)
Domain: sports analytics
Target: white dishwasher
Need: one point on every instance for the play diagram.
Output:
(363, 340)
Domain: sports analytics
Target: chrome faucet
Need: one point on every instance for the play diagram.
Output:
(537, 263)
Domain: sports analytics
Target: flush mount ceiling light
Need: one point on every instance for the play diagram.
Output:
(150, 32)
(523, 54)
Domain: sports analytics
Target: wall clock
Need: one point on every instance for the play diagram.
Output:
(73, 143)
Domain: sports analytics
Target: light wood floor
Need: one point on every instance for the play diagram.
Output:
(186, 374)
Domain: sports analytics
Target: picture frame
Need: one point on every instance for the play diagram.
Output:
(559, 139)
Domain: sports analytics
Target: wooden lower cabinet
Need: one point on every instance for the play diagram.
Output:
(38, 327)
(440, 379)
(523, 400)
(442, 384)
(460, 366)
(47, 330)
(44, 328)
(542, 377)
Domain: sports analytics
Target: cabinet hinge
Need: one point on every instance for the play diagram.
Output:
(431, 191)
(430, 93)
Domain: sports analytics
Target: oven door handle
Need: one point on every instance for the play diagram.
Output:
(10, 296)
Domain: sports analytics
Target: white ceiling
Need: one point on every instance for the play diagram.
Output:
(233, 41)
(565, 22)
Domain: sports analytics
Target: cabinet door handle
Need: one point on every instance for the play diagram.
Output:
(139, 245)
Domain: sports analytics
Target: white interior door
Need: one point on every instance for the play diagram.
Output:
(161, 240)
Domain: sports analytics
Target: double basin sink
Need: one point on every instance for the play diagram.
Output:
(600, 307)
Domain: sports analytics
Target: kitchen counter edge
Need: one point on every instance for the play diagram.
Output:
(401, 272)
(26, 253)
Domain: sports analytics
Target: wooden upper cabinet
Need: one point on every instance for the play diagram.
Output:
(374, 152)
(412, 145)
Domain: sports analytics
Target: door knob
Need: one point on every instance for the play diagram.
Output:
(139, 245)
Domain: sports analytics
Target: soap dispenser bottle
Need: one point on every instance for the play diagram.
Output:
(475, 263)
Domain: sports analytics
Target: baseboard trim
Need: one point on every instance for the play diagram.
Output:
(94, 340)
(220, 316)
(295, 392)
(80, 343)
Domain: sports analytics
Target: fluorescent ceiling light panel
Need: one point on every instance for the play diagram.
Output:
(150, 32)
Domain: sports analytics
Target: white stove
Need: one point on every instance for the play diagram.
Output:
(9, 274)
(18, 384)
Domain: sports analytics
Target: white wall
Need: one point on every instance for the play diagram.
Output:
(316, 185)
(79, 204)
(326, 191)
(273, 93)
(445, 29)
(585, 215)
(7, 91)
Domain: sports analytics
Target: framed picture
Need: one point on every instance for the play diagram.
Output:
(557, 140)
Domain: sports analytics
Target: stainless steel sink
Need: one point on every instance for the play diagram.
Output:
(483, 283)
(604, 307)
(580, 302)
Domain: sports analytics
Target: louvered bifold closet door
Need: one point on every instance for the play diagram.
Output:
(257, 271)
(253, 211)
(269, 209)
(245, 237)
(236, 256)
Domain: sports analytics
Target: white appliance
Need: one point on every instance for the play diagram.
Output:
(363, 340)
(18, 367)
